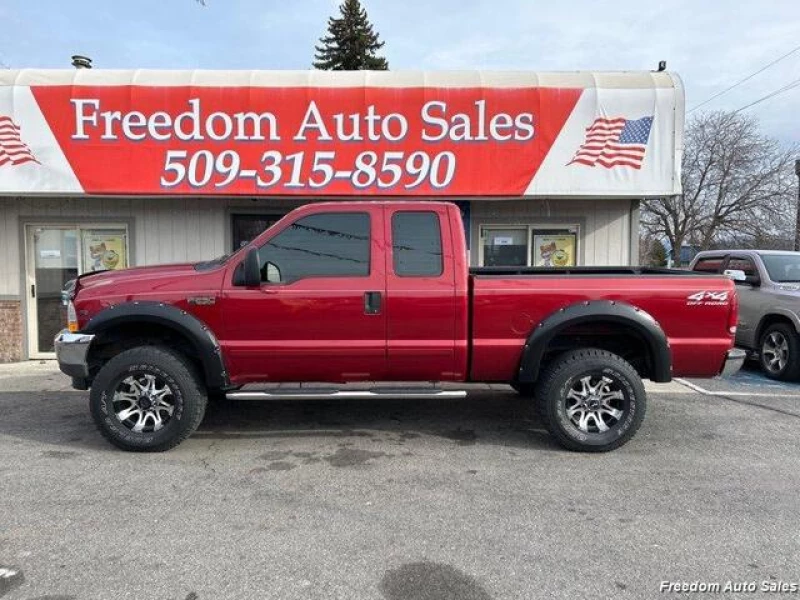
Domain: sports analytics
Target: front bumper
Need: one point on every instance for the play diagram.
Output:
(71, 351)
(734, 360)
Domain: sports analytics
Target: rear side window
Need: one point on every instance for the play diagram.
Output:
(324, 245)
(708, 265)
(417, 244)
(743, 264)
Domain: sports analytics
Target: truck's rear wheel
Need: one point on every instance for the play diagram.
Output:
(591, 400)
(147, 399)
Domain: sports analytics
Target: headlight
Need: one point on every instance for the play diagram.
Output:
(72, 317)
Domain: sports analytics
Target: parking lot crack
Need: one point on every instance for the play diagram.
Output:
(206, 460)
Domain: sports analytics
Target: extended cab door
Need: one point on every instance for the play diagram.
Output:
(319, 312)
(420, 294)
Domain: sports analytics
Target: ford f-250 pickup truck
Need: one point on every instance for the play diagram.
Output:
(381, 291)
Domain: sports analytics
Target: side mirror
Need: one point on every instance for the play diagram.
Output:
(252, 270)
(735, 274)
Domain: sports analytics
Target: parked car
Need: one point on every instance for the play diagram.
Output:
(768, 282)
(381, 291)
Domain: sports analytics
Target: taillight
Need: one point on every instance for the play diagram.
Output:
(733, 312)
(72, 317)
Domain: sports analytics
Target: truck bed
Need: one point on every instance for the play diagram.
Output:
(508, 303)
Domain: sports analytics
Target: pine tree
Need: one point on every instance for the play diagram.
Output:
(658, 254)
(351, 43)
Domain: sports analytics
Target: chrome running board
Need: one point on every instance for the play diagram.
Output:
(331, 393)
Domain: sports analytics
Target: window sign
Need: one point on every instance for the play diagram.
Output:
(553, 250)
(104, 250)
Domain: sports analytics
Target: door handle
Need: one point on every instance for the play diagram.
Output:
(372, 303)
(33, 290)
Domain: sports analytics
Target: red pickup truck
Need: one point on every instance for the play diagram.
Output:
(381, 291)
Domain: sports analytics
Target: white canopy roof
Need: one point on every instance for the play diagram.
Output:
(387, 79)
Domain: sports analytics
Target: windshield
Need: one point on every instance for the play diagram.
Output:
(783, 268)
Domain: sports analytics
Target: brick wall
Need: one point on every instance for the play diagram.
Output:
(10, 330)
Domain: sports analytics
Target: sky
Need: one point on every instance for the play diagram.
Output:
(711, 43)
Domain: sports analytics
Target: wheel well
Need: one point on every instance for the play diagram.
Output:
(115, 339)
(623, 340)
(768, 320)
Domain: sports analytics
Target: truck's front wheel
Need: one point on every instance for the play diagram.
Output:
(147, 399)
(591, 400)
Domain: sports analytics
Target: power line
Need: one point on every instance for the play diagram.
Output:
(738, 83)
(789, 86)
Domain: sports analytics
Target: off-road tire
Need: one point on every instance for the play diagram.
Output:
(187, 388)
(791, 369)
(566, 371)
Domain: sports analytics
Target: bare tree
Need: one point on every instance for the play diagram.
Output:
(737, 184)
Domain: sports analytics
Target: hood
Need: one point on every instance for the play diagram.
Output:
(150, 276)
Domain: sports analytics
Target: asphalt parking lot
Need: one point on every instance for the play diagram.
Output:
(398, 499)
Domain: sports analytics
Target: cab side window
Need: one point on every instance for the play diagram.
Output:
(709, 265)
(324, 245)
(417, 244)
(743, 264)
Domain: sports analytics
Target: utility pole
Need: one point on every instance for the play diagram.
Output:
(797, 221)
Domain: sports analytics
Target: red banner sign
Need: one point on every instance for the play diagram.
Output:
(310, 141)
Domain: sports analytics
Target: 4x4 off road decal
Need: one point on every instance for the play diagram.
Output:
(705, 298)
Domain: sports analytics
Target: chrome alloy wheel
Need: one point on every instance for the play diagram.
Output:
(775, 351)
(595, 403)
(144, 403)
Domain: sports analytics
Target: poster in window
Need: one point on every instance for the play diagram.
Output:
(554, 250)
(104, 251)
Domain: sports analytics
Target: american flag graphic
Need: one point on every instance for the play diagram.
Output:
(614, 143)
(12, 149)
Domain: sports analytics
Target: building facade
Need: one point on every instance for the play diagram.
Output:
(108, 170)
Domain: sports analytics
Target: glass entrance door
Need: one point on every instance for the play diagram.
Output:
(246, 228)
(54, 261)
(56, 254)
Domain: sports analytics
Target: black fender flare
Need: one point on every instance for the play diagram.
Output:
(198, 333)
(585, 312)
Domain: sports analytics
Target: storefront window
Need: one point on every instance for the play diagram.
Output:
(529, 246)
(505, 247)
